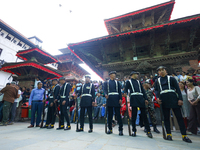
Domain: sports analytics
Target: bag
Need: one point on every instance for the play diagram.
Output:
(196, 94)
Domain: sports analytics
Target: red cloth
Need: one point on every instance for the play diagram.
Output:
(71, 109)
(156, 105)
(123, 108)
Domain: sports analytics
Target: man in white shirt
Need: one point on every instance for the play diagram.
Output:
(36, 82)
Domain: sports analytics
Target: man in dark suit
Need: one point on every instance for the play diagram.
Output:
(53, 97)
(87, 94)
(113, 95)
(64, 103)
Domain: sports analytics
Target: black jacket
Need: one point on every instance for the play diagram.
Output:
(113, 100)
(136, 100)
(86, 101)
(170, 99)
(54, 92)
(65, 93)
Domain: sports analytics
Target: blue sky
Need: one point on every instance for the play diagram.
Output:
(56, 26)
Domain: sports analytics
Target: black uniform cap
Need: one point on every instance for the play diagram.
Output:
(134, 72)
(112, 72)
(54, 80)
(87, 76)
(61, 78)
(161, 67)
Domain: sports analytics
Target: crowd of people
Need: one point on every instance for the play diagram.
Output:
(186, 87)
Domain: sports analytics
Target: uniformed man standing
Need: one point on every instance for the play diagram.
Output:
(87, 94)
(113, 95)
(138, 98)
(53, 97)
(64, 103)
(169, 95)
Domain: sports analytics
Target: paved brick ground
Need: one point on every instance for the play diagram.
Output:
(19, 137)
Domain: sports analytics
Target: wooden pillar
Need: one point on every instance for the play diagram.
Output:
(121, 50)
(167, 41)
(152, 42)
(133, 44)
(152, 17)
(121, 26)
(130, 21)
(192, 37)
(143, 19)
(103, 52)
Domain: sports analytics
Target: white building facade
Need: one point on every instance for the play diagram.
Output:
(11, 42)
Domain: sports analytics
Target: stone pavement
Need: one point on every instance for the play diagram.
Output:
(19, 137)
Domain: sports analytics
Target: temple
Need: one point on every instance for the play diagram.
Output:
(35, 64)
(69, 66)
(142, 40)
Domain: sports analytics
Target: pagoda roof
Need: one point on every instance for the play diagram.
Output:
(72, 67)
(92, 46)
(41, 56)
(157, 8)
(68, 57)
(139, 30)
(23, 68)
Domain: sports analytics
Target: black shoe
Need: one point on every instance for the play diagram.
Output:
(133, 134)
(50, 127)
(169, 138)
(145, 130)
(186, 139)
(149, 135)
(156, 130)
(109, 132)
(79, 130)
(45, 126)
(67, 128)
(60, 128)
(90, 131)
(121, 133)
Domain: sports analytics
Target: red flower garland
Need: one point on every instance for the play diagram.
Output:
(6, 69)
(34, 49)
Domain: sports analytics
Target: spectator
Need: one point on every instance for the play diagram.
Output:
(186, 104)
(183, 77)
(194, 99)
(123, 105)
(196, 77)
(36, 82)
(178, 75)
(103, 108)
(36, 104)
(73, 111)
(14, 106)
(98, 104)
(10, 94)
(175, 76)
(26, 95)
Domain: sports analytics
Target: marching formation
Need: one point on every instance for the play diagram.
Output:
(167, 92)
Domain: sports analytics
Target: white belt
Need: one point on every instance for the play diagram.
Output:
(86, 95)
(137, 93)
(50, 96)
(166, 91)
(113, 93)
(62, 96)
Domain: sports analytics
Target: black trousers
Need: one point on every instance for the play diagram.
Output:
(110, 116)
(64, 114)
(51, 114)
(144, 116)
(82, 116)
(179, 117)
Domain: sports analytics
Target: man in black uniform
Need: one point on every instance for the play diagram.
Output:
(53, 97)
(169, 95)
(64, 103)
(138, 98)
(113, 95)
(87, 94)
